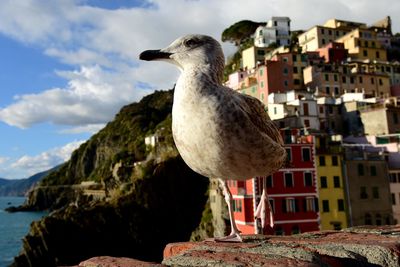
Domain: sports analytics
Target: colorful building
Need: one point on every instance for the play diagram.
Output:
(331, 185)
(368, 191)
(292, 191)
(276, 31)
(363, 43)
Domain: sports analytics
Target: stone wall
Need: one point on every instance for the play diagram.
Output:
(357, 246)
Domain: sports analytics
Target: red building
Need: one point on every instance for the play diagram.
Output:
(292, 191)
(333, 52)
(276, 75)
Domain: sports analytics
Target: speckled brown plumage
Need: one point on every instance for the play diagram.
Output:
(219, 132)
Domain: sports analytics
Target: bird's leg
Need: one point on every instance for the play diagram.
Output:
(264, 211)
(235, 233)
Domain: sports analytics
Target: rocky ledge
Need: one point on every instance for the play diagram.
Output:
(357, 246)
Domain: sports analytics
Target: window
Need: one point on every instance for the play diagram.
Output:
(237, 205)
(325, 205)
(337, 226)
(322, 161)
(321, 109)
(365, 53)
(305, 109)
(261, 84)
(309, 204)
(335, 161)
(308, 181)
(327, 90)
(261, 72)
(340, 203)
(344, 79)
(393, 199)
(375, 192)
(279, 231)
(393, 177)
(295, 230)
(335, 77)
(395, 118)
(269, 181)
(295, 70)
(306, 154)
(377, 54)
(363, 192)
(373, 170)
(296, 81)
(289, 205)
(288, 154)
(378, 219)
(360, 79)
(294, 58)
(380, 81)
(288, 179)
(307, 123)
(285, 71)
(324, 182)
(275, 110)
(351, 79)
(323, 31)
(336, 181)
(368, 219)
(336, 90)
(360, 169)
(326, 77)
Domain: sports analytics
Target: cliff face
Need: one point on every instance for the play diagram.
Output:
(120, 142)
(165, 206)
(123, 138)
(152, 197)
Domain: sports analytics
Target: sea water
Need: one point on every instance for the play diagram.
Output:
(13, 227)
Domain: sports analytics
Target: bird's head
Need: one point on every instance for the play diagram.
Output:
(190, 51)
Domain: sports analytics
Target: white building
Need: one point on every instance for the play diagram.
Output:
(277, 30)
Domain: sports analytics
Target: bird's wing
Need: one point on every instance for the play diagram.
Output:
(258, 115)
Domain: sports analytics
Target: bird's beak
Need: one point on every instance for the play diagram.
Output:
(149, 55)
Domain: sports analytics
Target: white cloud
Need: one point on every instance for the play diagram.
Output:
(93, 96)
(90, 128)
(103, 46)
(27, 165)
(3, 160)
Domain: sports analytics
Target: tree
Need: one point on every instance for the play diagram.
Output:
(240, 32)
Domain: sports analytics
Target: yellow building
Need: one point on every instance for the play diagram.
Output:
(363, 43)
(252, 55)
(331, 187)
(319, 36)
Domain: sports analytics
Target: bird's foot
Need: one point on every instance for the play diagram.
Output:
(233, 237)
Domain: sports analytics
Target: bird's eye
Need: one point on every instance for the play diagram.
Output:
(190, 42)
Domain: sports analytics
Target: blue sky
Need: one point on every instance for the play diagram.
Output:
(68, 66)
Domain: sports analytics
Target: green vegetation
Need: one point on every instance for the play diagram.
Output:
(240, 32)
(122, 140)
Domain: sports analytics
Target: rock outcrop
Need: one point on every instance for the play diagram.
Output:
(164, 206)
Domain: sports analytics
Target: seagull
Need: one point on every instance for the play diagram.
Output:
(219, 132)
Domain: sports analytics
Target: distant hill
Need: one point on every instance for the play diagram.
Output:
(19, 187)
(4, 181)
